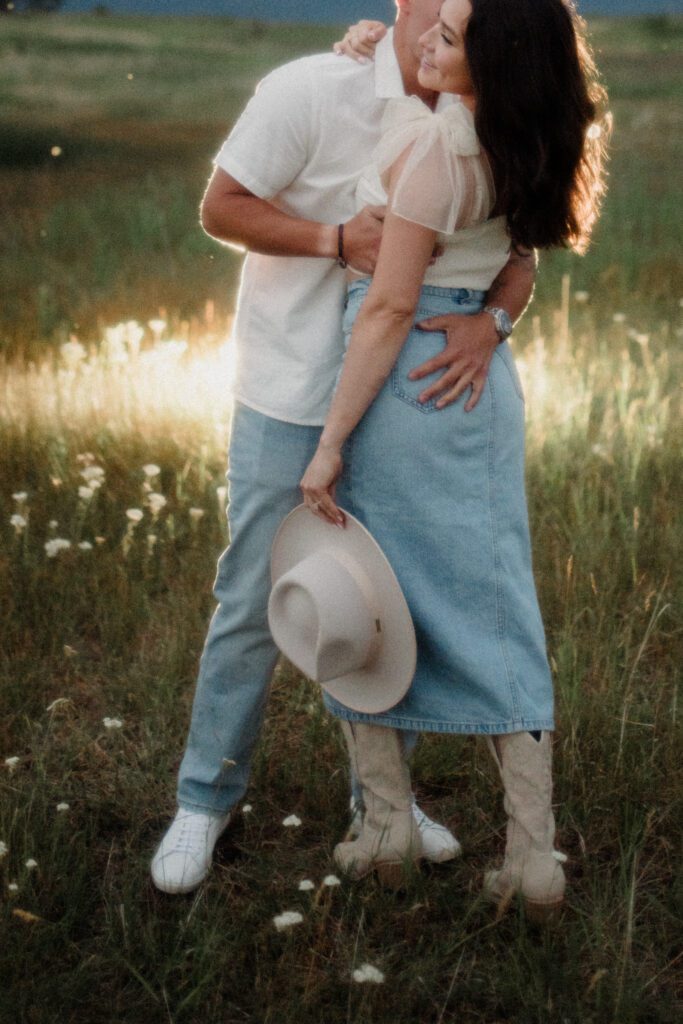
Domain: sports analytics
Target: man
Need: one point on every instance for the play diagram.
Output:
(283, 183)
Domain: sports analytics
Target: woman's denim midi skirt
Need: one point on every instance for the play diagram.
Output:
(443, 493)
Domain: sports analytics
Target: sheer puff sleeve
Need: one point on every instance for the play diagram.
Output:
(445, 183)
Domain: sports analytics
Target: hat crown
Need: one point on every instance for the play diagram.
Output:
(324, 615)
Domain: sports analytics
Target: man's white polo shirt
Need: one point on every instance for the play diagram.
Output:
(301, 143)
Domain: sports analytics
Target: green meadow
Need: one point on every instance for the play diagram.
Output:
(115, 370)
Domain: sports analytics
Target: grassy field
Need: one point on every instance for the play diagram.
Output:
(101, 633)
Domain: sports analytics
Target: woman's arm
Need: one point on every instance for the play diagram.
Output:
(379, 332)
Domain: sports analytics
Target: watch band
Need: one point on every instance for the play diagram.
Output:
(502, 321)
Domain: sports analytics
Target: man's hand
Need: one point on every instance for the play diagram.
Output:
(470, 344)
(362, 237)
(360, 41)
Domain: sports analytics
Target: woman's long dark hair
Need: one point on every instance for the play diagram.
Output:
(538, 107)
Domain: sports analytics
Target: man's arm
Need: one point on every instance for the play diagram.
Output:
(472, 340)
(232, 214)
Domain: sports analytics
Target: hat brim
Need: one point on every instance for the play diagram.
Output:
(386, 681)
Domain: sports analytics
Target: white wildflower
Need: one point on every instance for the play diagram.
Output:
(91, 473)
(85, 458)
(19, 522)
(31, 864)
(331, 881)
(13, 887)
(53, 524)
(366, 972)
(581, 296)
(292, 821)
(196, 514)
(20, 496)
(134, 514)
(85, 545)
(157, 327)
(287, 919)
(54, 546)
(151, 469)
(156, 502)
(305, 885)
(112, 723)
(247, 809)
(63, 806)
(619, 318)
(85, 493)
(3, 849)
(151, 541)
(11, 763)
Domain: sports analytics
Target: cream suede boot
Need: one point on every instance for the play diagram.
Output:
(532, 867)
(389, 839)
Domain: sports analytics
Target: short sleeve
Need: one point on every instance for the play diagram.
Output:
(269, 145)
(445, 182)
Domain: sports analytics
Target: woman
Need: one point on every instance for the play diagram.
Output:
(515, 159)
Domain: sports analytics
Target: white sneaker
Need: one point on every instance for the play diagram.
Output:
(438, 843)
(183, 859)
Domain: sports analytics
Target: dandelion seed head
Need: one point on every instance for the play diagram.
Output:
(112, 723)
(292, 821)
(287, 919)
(368, 973)
(305, 885)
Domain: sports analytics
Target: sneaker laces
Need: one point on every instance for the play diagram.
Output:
(190, 830)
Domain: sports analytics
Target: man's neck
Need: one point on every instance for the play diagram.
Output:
(409, 68)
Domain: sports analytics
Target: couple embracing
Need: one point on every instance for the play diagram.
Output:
(391, 209)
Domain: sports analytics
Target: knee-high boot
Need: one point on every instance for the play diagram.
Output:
(389, 839)
(531, 867)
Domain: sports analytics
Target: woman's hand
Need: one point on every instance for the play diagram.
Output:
(318, 483)
(360, 41)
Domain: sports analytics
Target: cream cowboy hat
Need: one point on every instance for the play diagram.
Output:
(337, 612)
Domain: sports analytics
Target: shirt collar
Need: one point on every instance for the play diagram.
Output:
(388, 79)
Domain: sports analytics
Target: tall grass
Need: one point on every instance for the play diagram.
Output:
(114, 630)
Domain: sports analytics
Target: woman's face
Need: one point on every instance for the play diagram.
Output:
(444, 65)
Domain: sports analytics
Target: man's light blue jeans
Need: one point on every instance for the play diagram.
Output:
(267, 459)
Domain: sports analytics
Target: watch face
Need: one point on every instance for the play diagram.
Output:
(504, 323)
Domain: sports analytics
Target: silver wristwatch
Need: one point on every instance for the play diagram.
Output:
(502, 321)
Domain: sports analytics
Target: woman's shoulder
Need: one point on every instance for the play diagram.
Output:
(452, 123)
